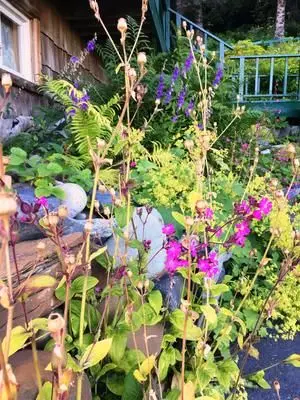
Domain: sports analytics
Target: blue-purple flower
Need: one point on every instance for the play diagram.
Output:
(90, 47)
(175, 74)
(218, 77)
(160, 87)
(74, 60)
(181, 98)
(189, 108)
(188, 63)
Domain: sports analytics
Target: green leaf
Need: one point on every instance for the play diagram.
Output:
(133, 390)
(121, 215)
(179, 218)
(95, 353)
(46, 392)
(226, 371)
(78, 283)
(107, 367)
(155, 299)
(40, 281)
(115, 383)
(131, 360)
(43, 191)
(258, 378)
(148, 316)
(209, 313)
(118, 347)
(217, 290)
(293, 359)
(205, 373)
(58, 192)
(39, 324)
(167, 358)
(177, 318)
(97, 253)
(18, 338)
(17, 156)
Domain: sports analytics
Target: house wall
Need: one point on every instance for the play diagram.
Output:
(54, 42)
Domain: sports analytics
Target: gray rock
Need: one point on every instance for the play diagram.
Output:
(104, 198)
(147, 227)
(171, 289)
(75, 198)
(81, 216)
(101, 227)
(11, 127)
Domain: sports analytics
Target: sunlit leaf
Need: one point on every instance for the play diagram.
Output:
(95, 353)
(97, 253)
(293, 359)
(18, 338)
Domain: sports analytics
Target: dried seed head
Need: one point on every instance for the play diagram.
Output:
(291, 150)
(55, 323)
(118, 203)
(41, 246)
(62, 211)
(88, 227)
(141, 58)
(279, 194)
(129, 274)
(122, 25)
(140, 285)
(97, 204)
(274, 183)
(184, 24)
(296, 163)
(276, 386)
(70, 259)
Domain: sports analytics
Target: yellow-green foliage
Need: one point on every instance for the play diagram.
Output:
(280, 221)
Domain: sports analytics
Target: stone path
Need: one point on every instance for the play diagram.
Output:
(287, 375)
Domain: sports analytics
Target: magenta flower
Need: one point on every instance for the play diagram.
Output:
(174, 249)
(242, 208)
(42, 201)
(168, 229)
(265, 205)
(257, 214)
(243, 228)
(172, 264)
(244, 147)
(208, 213)
(209, 265)
(219, 232)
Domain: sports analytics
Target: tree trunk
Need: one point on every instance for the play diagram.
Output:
(280, 19)
(191, 9)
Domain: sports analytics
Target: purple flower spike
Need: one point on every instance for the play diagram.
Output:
(175, 75)
(160, 87)
(188, 63)
(181, 98)
(218, 77)
(90, 46)
(74, 60)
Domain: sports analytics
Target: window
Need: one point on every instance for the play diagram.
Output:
(15, 41)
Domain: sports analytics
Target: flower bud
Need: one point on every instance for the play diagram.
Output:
(53, 219)
(118, 203)
(157, 102)
(184, 24)
(102, 188)
(140, 285)
(189, 221)
(101, 144)
(141, 58)
(276, 386)
(129, 274)
(146, 284)
(296, 163)
(122, 25)
(6, 82)
(106, 211)
(274, 183)
(62, 211)
(279, 194)
(201, 205)
(55, 323)
(97, 204)
(4, 297)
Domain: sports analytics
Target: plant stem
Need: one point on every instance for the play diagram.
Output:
(36, 362)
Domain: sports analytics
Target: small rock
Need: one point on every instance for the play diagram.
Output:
(171, 289)
(75, 198)
(101, 231)
(81, 216)
(104, 198)
(147, 227)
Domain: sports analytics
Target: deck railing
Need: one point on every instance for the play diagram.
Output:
(268, 77)
(164, 16)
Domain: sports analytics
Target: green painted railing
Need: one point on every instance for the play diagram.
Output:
(268, 77)
(164, 16)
